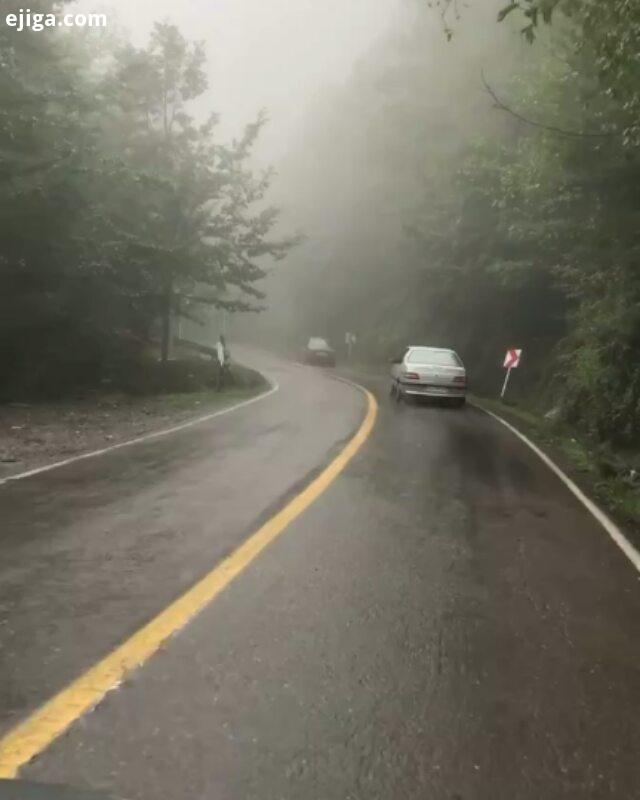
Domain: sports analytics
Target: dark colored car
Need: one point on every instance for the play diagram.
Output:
(319, 352)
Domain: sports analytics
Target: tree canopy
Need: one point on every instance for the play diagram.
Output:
(117, 203)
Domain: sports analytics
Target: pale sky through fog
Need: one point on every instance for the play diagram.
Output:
(274, 54)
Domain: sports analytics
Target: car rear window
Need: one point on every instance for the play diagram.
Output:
(316, 343)
(428, 355)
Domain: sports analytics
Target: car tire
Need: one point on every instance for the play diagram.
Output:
(399, 393)
(459, 402)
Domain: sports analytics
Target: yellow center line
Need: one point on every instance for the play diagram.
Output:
(52, 719)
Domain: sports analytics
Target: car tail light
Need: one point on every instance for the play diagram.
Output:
(411, 376)
(461, 379)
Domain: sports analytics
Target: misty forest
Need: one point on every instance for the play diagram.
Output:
(473, 182)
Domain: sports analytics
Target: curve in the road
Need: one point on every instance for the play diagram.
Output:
(446, 620)
(52, 719)
(273, 388)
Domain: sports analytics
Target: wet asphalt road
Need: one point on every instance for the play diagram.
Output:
(446, 621)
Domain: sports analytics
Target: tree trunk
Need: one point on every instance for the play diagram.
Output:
(165, 342)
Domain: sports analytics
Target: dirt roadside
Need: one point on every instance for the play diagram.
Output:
(34, 435)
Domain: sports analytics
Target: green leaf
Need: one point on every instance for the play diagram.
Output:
(507, 10)
(547, 12)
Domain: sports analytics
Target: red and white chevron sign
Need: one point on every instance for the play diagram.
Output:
(512, 359)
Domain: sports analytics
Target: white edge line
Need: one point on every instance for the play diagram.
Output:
(610, 527)
(275, 386)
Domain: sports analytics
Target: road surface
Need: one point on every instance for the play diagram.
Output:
(445, 621)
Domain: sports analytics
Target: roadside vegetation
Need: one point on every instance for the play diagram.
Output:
(119, 206)
(34, 434)
(486, 185)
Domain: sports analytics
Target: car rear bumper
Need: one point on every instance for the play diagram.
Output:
(419, 390)
(320, 360)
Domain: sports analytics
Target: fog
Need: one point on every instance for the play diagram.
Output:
(368, 104)
(375, 150)
(432, 178)
(264, 266)
(271, 54)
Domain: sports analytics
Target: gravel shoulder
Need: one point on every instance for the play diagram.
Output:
(33, 435)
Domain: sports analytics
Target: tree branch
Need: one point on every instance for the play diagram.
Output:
(551, 128)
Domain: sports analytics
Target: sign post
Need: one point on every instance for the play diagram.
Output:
(511, 361)
(350, 340)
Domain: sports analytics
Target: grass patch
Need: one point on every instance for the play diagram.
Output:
(209, 398)
(33, 434)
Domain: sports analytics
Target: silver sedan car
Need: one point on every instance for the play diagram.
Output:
(429, 372)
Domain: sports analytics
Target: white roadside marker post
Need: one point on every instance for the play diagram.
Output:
(505, 384)
(511, 361)
(350, 340)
